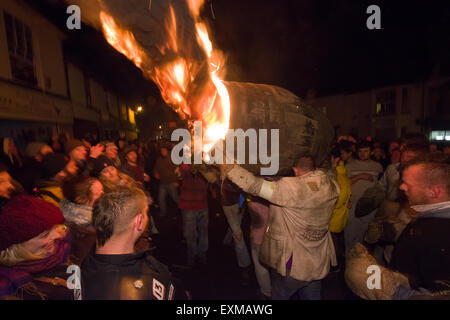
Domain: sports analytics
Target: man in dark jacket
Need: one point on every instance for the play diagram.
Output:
(113, 270)
(423, 250)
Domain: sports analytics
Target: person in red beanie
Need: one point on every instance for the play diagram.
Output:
(32, 239)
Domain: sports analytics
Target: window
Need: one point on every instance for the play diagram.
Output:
(405, 106)
(385, 103)
(20, 47)
(440, 135)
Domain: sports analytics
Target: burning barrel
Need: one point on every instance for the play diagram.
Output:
(302, 128)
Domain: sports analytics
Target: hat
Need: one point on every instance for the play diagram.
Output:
(33, 148)
(52, 163)
(25, 217)
(100, 163)
(72, 144)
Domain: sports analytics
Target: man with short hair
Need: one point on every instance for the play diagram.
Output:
(113, 270)
(363, 174)
(297, 243)
(423, 249)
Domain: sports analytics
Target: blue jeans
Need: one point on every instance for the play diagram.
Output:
(234, 218)
(284, 288)
(195, 231)
(165, 189)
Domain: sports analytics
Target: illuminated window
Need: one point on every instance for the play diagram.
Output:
(385, 102)
(440, 135)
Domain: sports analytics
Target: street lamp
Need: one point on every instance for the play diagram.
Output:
(139, 109)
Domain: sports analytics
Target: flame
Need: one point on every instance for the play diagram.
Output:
(175, 78)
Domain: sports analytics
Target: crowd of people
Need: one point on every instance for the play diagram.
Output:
(93, 204)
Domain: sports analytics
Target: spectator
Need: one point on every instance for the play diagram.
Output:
(132, 168)
(31, 170)
(56, 169)
(113, 269)
(297, 245)
(10, 156)
(346, 151)
(194, 210)
(363, 174)
(394, 152)
(379, 156)
(6, 185)
(390, 181)
(80, 194)
(78, 153)
(230, 204)
(111, 152)
(340, 214)
(423, 249)
(165, 173)
(32, 240)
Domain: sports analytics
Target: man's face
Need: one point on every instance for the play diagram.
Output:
(6, 186)
(110, 174)
(407, 156)
(364, 154)
(45, 150)
(345, 156)
(78, 154)
(132, 156)
(414, 186)
(96, 191)
(71, 167)
(111, 152)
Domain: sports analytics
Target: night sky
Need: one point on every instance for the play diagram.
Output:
(296, 44)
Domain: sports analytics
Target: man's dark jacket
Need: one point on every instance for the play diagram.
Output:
(128, 277)
(423, 251)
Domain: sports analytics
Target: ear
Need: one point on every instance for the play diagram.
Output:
(139, 222)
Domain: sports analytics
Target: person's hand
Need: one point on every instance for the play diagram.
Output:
(96, 151)
(335, 161)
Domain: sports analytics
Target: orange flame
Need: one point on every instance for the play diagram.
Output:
(175, 79)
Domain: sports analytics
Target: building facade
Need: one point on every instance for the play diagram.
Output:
(391, 112)
(42, 94)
